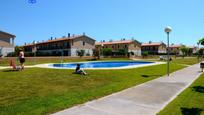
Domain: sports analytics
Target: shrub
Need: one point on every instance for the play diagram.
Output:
(144, 54)
(107, 51)
(80, 52)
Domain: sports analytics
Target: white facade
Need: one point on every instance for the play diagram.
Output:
(6, 50)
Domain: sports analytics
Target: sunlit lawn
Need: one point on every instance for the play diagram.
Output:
(42, 91)
(189, 102)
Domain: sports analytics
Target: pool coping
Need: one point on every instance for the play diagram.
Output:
(124, 67)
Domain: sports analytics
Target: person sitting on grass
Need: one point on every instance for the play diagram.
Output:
(79, 71)
(14, 67)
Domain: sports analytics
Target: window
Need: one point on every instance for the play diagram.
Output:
(83, 43)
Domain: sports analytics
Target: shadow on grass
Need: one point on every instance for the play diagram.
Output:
(198, 89)
(191, 111)
(10, 70)
(149, 75)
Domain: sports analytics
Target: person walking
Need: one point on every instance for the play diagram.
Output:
(21, 58)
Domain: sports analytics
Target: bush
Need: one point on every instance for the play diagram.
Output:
(80, 52)
(144, 54)
(29, 54)
(11, 54)
(122, 52)
(107, 51)
(96, 53)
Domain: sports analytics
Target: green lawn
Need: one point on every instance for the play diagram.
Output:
(189, 102)
(43, 91)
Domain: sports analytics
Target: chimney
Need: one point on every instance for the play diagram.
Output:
(84, 33)
(63, 36)
(123, 39)
(25, 43)
(55, 38)
(68, 35)
(150, 42)
(103, 40)
(73, 35)
(51, 38)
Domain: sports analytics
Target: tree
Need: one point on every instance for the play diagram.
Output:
(184, 50)
(96, 53)
(145, 54)
(17, 50)
(201, 41)
(122, 52)
(107, 51)
(200, 51)
(175, 51)
(80, 52)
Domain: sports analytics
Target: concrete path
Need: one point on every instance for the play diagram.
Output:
(145, 99)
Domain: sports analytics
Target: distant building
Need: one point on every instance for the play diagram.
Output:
(175, 49)
(67, 46)
(129, 45)
(6, 43)
(192, 49)
(154, 47)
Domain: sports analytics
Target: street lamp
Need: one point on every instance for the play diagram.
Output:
(168, 30)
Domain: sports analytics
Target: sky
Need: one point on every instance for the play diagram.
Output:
(143, 20)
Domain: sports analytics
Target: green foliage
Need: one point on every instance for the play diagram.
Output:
(96, 53)
(17, 50)
(201, 41)
(80, 52)
(107, 51)
(201, 50)
(184, 50)
(122, 52)
(144, 54)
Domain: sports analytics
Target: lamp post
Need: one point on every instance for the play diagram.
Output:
(168, 30)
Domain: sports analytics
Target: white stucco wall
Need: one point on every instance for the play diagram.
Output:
(74, 52)
(5, 50)
(136, 52)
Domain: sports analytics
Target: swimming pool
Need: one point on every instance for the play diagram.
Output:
(102, 65)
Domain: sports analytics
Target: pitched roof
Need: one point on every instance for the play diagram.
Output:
(153, 44)
(5, 33)
(175, 46)
(115, 42)
(5, 44)
(60, 39)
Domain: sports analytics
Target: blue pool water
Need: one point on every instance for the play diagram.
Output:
(105, 64)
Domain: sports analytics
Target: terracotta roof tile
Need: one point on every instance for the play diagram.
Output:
(56, 40)
(115, 42)
(175, 46)
(153, 44)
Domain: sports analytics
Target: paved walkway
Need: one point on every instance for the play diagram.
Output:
(145, 99)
